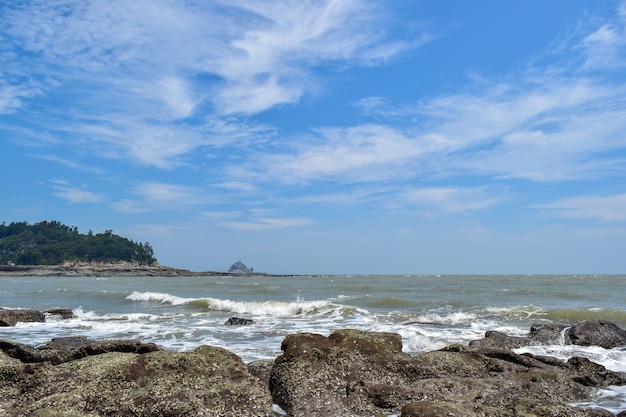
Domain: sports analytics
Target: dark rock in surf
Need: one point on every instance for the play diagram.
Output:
(549, 334)
(597, 333)
(64, 313)
(588, 333)
(12, 317)
(238, 321)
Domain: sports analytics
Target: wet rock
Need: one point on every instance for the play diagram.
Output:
(238, 321)
(354, 373)
(64, 313)
(67, 343)
(209, 381)
(11, 317)
(68, 349)
(498, 340)
(588, 333)
(597, 333)
(549, 334)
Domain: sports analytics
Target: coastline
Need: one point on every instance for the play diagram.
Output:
(103, 269)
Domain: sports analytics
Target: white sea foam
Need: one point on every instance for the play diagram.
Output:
(613, 359)
(272, 308)
(451, 318)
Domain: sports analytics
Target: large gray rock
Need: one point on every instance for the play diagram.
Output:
(209, 381)
(68, 349)
(597, 333)
(588, 333)
(355, 373)
(11, 317)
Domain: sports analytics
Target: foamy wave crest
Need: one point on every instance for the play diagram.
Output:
(452, 318)
(271, 308)
(163, 298)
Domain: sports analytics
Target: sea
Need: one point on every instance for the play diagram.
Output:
(428, 311)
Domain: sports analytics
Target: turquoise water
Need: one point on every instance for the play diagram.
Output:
(429, 311)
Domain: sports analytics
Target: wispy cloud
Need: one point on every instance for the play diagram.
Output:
(454, 199)
(156, 192)
(152, 195)
(361, 153)
(134, 73)
(266, 224)
(606, 209)
(255, 220)
(73, 194)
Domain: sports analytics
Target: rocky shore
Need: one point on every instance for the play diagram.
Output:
(348, 373)
(101, 269)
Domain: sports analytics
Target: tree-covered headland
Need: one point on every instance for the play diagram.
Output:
(53, 243)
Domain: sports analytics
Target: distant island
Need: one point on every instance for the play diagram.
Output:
(50, 248)
(53, 243)
(240, 268)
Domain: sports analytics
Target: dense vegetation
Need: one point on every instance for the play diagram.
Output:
(52, 243)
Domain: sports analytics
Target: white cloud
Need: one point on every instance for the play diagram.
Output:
(131, 71)
(361, 153)
(75, 194)
(157, 192)
(606, 209)
(265, 224)
(605, 46)
(269, 61)
(453, 199)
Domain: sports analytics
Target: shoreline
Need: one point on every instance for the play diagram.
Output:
(108, 269)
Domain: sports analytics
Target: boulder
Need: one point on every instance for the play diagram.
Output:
(62, 350)
(11, 317)
(209, 381)
(238, 321)
(597, 333)
(355, 373)
(64, 313)
(549, 334)
(588, 333)
(262, 369)
(499, 340)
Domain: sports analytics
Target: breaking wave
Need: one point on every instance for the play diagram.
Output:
(271, 308)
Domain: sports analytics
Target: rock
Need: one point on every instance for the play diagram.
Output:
(597, 333)
(209, 381)
(588, 333)
(436, 408)
(238, 321)
(498, 340)
(239, 268)
(67, 343)
(64, 313)
(11, 317)
(355, 373)
(68, 349)
(549, 334)
(262, 370)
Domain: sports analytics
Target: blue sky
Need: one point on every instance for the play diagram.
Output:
(329, 136)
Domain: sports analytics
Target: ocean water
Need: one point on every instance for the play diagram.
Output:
(428, 311)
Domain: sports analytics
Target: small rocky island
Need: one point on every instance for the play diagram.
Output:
(239, 268)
